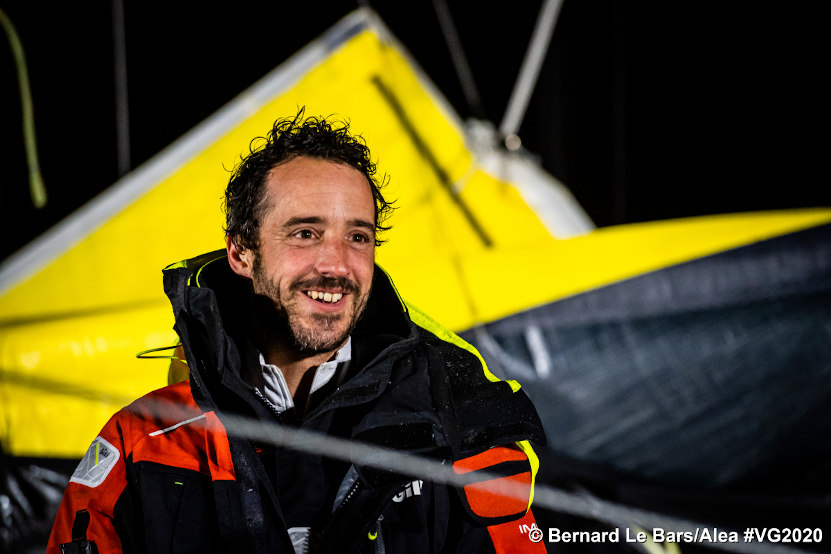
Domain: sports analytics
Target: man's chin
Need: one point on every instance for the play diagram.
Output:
(317, 345)
(314, 338)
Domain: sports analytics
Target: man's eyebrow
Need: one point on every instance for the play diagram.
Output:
(316, 219)
(362, 223)
(301, 220)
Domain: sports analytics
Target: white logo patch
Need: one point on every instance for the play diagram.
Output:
(412, 489)
(96, 464)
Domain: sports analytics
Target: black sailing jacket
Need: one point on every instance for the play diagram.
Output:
(165, 475)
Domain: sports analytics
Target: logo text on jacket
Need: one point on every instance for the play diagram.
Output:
(412, 489)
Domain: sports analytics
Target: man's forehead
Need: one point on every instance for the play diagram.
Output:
(313, 188)
(320, 172)
(298, 166)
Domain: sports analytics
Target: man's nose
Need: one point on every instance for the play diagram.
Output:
(334, 258)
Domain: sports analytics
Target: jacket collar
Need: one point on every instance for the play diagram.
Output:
(210, 307)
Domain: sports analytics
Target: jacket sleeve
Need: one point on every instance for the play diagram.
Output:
(498, 496)
(86, 513)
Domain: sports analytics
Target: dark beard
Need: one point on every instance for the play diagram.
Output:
(280, 323)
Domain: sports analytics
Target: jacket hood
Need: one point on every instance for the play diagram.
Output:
(210, 306)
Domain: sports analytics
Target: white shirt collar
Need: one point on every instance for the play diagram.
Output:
(276, 390)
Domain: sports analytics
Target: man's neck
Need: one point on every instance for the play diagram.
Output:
(294, 365)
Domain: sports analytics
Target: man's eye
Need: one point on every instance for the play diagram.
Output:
(304, 234)
(360, 237)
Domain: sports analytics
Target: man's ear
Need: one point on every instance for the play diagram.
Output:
(240, 258)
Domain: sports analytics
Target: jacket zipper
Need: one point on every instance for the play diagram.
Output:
(379, 537)
(349, 496)
(268, 404)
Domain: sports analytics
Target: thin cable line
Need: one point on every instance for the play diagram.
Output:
(581, 504)
(37, 188)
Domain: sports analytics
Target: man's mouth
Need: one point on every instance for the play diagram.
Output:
(320, 296)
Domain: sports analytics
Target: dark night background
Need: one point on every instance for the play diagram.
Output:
(645, 110)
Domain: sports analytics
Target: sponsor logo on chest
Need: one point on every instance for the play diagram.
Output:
(411, 489)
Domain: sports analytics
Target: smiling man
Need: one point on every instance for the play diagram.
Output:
(311, 265)
(293, 324)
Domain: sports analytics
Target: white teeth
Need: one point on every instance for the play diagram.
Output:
(331, 297)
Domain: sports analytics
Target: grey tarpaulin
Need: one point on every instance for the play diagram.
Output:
(708, 373)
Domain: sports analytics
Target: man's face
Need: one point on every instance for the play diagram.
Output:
(317, 252)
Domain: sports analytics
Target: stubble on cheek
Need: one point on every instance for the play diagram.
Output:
(289, 320)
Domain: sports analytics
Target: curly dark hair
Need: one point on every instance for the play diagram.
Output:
(246, 201)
